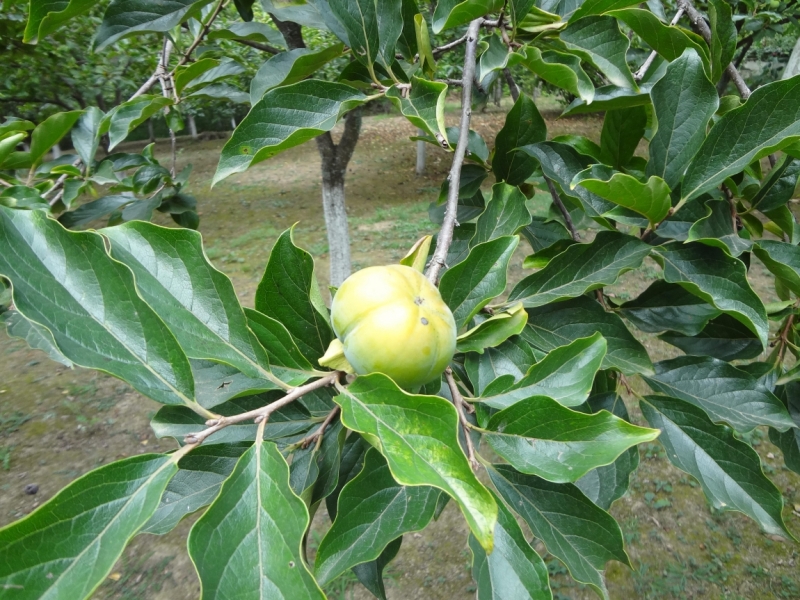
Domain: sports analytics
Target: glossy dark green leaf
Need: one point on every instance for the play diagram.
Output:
(91, 211)
(289, 293)
(665, 306)
(407, 42)
(496, 57)
(92, 520)
(216, 383)
(114, 330)
(581, 268)
(418, 436)
(46, 17)
(789, 441)
(372, 27)
(727, 394)
(543, 233)
(285, 117)
(373, 511)
(561, 69)
(352, 460)
(718, 229)
(729, 470)
(717, 278)
(513, 569)
(599, 41)
(782, 259)
(510, 360)
(86, 134)
(684, 100)
(370, 574)
(610, 97)
(278, 342)
(505, 214)
(493, 331)
(452, 13)
(473, 283)
(561, 323)
(129, 115)
(575, 530)
(724, 338)
(779, 186)
(540, 437)
(524, 125)
(248, 542)
(423, 105)
(251, 32)
(195, 485)
(650, 199)
(723, 37)
(329, 458)
(606, 484)
(34, 335)
(196, 300)
(623, 128)
(565, 374)
(125, 17)
(733, 142)
(43, 137)
(599, 7)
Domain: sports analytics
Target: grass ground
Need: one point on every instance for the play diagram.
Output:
(56, 423)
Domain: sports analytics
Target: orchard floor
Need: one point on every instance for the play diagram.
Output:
(56, 423)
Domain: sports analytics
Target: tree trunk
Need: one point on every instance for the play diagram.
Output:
(192, 127)
(498, 91)
(233, 123)
(335, 158)
(793, 66)
(421, 151)
(150, 131)
(56, 150)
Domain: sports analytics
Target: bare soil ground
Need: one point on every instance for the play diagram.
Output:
(57, 423)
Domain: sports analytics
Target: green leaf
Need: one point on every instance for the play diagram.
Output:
(684, 100)
(493, 331)
(185, 75)
(86, 134)
(452, 13)
(606, 484)
(599, 7)
(370, 574)
(718, 229)
(599, 41)
(782, 259)
(91, 211)
(418, 436)
(126, 17)
(670, 42)
(610, 97)
(289, 293)
(195, 485)
(789, 441)
(373, 511)
(560, 323)
(227, 68)
(129, 115)
(372, 27)
(248, 542)
(540, 437)
(278, 342)
(727, 394)
(581, 268)
(565, 375)
(46, 134)
(510, 360)
(423, 105)
(651, 199)
(221, 91)
(285, 117)
(665, 306)
(561, 69)
(92, 520)
(407, 42)
(575, 530)
(112, 330)
(543, 233)
(779, 186)
(494, 58)
(9, 144)
(198, 302)
(417, 257)
(717, 278)
(724, 338)
(290, 67)
(728, 470)
(251, 32)
(352, 461)
(513, 569)
(473, 283)
(723, 37)
(524, 125)
(34, 335)
(426, 60)
(623, 128)
(46, 17)
(505, 214)
(734, 142)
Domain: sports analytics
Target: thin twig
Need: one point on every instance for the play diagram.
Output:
(643, 69)
(4, 182)
(316, 437)
(461, 407)
(563, 209)
(700, 26)
(448, 225)
(512, 85)
(260, 414)
(449, 46)
(783, 339)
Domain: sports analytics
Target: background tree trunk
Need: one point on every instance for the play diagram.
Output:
(421, 152)
(150, 131)
(192, 127)
(793, 66)
(335, 158)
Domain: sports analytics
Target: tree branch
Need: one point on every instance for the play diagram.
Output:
(448, 225)
(562, 209)
(646, 65)
(461, 409)
(262, 414)
(263, 47)
(316, 437)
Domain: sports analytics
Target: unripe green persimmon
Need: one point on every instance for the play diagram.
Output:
(392, 320)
